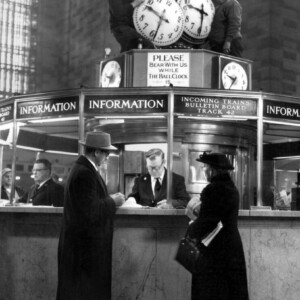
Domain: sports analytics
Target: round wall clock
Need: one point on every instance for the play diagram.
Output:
(111, 75)
(198, 17)
(160, 21)
(234, 77)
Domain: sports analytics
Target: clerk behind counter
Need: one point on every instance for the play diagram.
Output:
(45, 191)
(151, 189)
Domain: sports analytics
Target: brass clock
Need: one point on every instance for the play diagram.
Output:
(112, 73)
(231, 73)
(198, 17)
(234, 77)
(160, 21)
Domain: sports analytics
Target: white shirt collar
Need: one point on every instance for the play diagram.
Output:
(161, 177)
(92, 164)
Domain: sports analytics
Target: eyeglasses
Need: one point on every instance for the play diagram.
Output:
(38, 170)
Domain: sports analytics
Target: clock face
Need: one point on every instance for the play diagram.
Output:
(234, 77)
(198, 17)
(160, 21)
(111, 74)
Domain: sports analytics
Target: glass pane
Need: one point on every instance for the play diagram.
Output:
(133, 137)
(52, 139)
(281, 166)
(235, 139)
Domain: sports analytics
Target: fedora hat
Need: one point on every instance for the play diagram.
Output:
(98, 140)
(216, 160)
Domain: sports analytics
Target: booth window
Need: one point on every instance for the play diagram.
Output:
(281, 165)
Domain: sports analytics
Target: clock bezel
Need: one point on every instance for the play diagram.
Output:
(121, 61)
(186, 34)
(218, 64)
(140, 30)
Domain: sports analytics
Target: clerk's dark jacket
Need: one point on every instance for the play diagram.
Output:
(143, 194)
(222, 272)
(50, 193)
(122, 27)
(85, 243)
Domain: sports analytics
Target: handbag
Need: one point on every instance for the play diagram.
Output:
(188, 253)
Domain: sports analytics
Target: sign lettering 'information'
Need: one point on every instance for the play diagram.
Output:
(49, 107)
(280, 110)
(214, 106)
(126, 104)
(164, 69)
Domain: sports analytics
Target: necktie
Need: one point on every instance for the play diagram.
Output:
(35, 189)
(157, 188)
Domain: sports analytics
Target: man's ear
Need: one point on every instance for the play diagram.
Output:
(97, 152)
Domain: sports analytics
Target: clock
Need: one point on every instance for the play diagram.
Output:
(231, 74)
(111, 73)
(160, 21)
(198, 17)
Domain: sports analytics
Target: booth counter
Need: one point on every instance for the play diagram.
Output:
(144, 245)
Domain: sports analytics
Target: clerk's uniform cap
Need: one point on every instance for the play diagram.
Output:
(154, 152)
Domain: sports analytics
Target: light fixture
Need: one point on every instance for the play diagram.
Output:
(130, 117)
(287, 157)
(61, 152)
(10, 125)
(29, 148)
(227, 118)
(65, 119)
(282, 123)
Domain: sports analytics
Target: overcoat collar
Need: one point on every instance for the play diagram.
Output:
(82, 160)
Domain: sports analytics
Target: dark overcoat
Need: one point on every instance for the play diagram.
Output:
(223, 273)
(143, 194)
(85, 244)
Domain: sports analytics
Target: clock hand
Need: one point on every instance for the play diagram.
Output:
(161, 18)
(202, 13)
(233, 80)
(156, 13)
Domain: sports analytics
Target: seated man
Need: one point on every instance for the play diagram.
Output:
(151, 189)
(45, 191)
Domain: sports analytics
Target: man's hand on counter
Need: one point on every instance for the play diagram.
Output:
(164, 204)
(119, 198)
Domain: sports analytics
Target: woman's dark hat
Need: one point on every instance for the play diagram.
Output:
(216, 160)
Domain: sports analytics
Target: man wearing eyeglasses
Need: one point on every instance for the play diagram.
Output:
(45, 191)
(151, 189)
(85, 244)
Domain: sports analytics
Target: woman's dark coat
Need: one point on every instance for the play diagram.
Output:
(223, 274)
(85, 244)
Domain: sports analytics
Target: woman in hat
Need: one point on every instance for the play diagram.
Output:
(223, 273)
(7, 184)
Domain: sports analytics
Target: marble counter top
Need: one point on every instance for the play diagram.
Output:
(149, 211)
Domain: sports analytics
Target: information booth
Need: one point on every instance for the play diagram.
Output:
(257, 131)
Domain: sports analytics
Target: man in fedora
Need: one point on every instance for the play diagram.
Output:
(85, 244)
